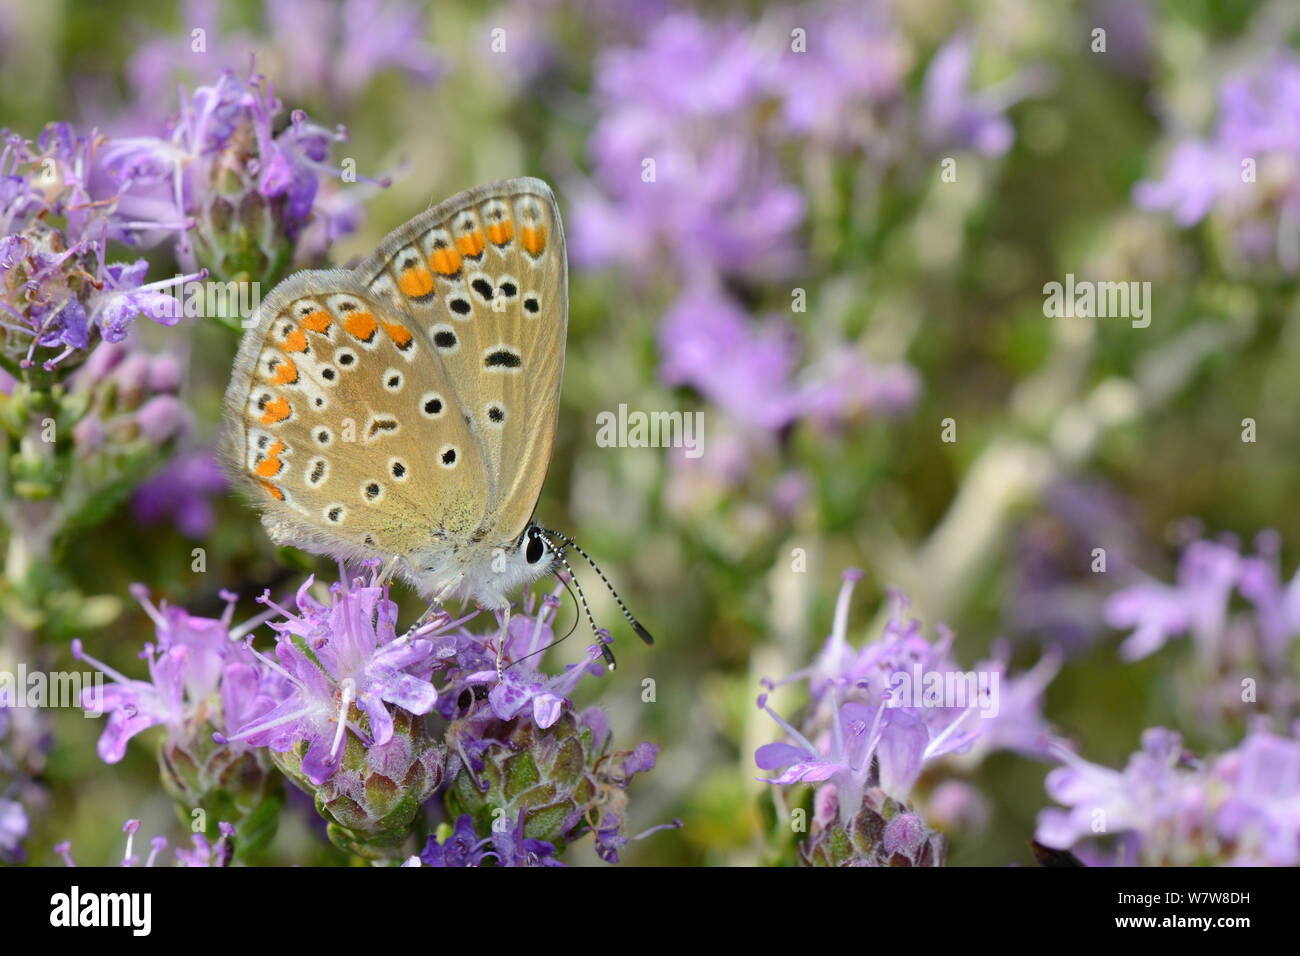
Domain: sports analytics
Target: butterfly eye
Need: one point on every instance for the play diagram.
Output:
(535, 549)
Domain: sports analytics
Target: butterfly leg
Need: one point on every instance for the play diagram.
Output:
(501, 640)
(389, 569)
(436, 604)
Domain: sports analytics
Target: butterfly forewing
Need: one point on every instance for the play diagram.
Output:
(484, 277)
(344, 426)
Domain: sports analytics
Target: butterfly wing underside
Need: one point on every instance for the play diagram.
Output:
(485, 277)
(342, 424)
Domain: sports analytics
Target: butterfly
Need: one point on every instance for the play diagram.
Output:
(405, 409)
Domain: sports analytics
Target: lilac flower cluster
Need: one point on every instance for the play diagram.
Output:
(757, 384)
(335, 662)
(528, 719)
(318, 47)
(200, 674)
(1167, 807)
(238, 198)
(867, 735)
(1243, 657)
(58, 293)
(128, 395)
(1245, 174)
(691, 176)
(340, 709)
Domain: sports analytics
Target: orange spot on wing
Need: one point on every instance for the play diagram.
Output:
(270, 466)
(318, 321)
(470, 244)
(362, 325)
(445, 262)
(501, 232)
(533, 239)
(415, 282)
(276, 410)
(286, 373)
(275, 492)
(400, 334)
(296, 341)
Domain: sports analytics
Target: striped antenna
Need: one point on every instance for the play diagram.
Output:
(641, 632)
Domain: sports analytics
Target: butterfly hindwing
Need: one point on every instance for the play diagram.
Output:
(484, 276)
(343, 429)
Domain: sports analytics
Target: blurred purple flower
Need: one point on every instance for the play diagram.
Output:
(860, 708)
(1207, 573)
(1158, 793)
(709, 343)
(1230, 643)
(1169, 808)
(1261, 817)
(1247, 169)
(203, 854)
(687, 99)
(951, 115)
(182, 492)
(14, 827)
(748, 369)
(845, 88)
(320, 49)
(1059, 595)
(1130, 35)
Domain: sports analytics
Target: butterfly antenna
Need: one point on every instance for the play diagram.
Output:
(641, 632)
(605, 651)
(559, 640)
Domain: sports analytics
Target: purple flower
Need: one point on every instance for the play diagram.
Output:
(135, 705)
(57, 292)
(462, 847)
(182, 492)
(186, 666)
(505, 847)
(221, 174)
(1262, 815)
(314, 45)
(890, 701)
(511, 848)
(748, 369)
(1245, 171)
(333, 657)
(1166, 807)
(522, 686)
(203, 854)
(951, 115)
